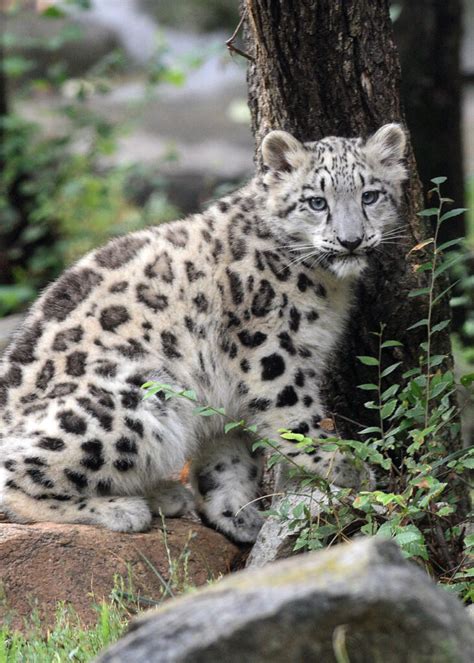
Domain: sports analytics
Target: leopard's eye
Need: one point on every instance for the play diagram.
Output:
(370, 197)
(318, 204)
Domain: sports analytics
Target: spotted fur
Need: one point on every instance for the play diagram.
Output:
(243, 303)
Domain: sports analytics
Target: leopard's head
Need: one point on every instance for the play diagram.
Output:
(335, 200)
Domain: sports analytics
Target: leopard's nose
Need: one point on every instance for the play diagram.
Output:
(350, 244)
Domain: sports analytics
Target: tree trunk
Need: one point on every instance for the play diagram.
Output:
(331, 68)
(428, 33)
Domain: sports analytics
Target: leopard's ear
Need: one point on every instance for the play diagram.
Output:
(387, 145)
(281, 152)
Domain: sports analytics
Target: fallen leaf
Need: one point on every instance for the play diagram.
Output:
(328, 424)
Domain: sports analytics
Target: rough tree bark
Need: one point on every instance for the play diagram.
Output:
(331, 68)
(428, 34)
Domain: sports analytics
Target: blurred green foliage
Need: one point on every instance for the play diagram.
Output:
(57, 200)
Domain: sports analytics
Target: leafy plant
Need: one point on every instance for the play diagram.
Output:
(417, 501)
(57, 200)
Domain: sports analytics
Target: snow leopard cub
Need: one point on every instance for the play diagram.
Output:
(243, 303)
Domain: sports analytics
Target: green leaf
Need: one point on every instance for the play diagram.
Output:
(419, 292)
(458, 301)
(445, 511)
(415, 549)
(297, 437)
(467, 380)
(454, 456)
(448, 263)
(273, 460)
(411, 373)
(425, 267)
(371, 405)
(388, 409)
(370, 429)
(431, 211)
(368, 361)
(368, 387)
(404, 537)
(440, 326)
(233, 424)
(206, 411)
(453, 212)
(391, 391)
(439, 180)
(299, 510)
(438, 389)
(452, 242)
(420, 323)
(389, 498)
(436, 360)
(446, 290)
(468, 573)
(390, 369)
(53, 12)
(260, 444)
(391, 344)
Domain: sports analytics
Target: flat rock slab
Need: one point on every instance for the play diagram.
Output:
(360, 602)
(45, 563)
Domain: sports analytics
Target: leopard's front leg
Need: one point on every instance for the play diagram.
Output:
(336, 467)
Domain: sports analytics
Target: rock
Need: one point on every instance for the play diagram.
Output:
(46, 563)
(360, 602)
(276, 540)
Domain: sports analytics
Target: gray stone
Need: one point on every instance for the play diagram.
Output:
(360, 602)
(276, 540)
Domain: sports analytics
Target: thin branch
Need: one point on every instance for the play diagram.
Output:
(230, 42)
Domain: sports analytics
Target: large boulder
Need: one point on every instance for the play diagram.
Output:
(360, 602)
(45, 563)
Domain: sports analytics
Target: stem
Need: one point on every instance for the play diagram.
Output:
(379, 384)
(430, 307)
(244, 427)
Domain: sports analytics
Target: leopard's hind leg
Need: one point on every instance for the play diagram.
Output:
(120, 514)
